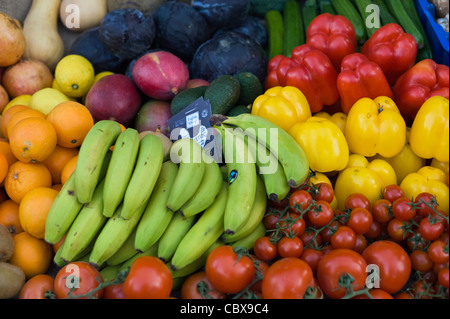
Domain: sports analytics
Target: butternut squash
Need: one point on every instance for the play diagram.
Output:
(80, 15)
(41, 33)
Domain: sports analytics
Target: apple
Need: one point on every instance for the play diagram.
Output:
(193, 83)
(153, 116)
(114, 97)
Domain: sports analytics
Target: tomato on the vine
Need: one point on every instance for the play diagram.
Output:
(438, 252)
(403, 209)
(227, 271)
(443, 277)
(382, 211)
(420, 261)
(76, 279)
(324, 191)
(113, 292)
(321, 213)
(431, 228)
(375, 231)
(38, 287)
(360, 220)
(292, 225)
(425, 204)
(360, 244)
(398, 229)
(290, 247)
(357, 200)
(148, 278)
(344, 237)
(312, 257)
(392, 192)
(265, 249)
(300, 198)
(278, 281)
(197, 286)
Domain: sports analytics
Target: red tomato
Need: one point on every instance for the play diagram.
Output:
(278, 281)
(264, 249)
(397, 229)
(261, 267)
(360, 220)
(114, 292)
(357, 200)
(437, 252)
(312, 257)
(422, 208)
(292, 225)
(420, 261)
(392, 192)
(361, 243)
(431, 229)
(340, 265)
(393, 263)
(290, 247)
(79, 276)
(326, 234)
(300, 198)
(443, 277)
(403, 295)
(271, 219)
(310, 239)
(226, 272)
(197, 286)
(375, 231)
(403, 209)
(38, 287)
(382, 211)
(321, 213)
(324, 191)
(148, 278)
(344, 237)
(376, 294)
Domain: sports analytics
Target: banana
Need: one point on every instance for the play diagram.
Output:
(152, 251)
(269, 168)
(120, 169)
(85, 227)
(91, 156)
(206, 230)
(156, 216)
(109, 273)
(174, 233)
(207, 191)
(125, 252)
(242, 180)
(195, 265)
(249, 241)
(288, 152)
(113, 235)
(144, 177)
(190, 173)
(256, 215)
(66, 207)
(60, 262)
(224, 172)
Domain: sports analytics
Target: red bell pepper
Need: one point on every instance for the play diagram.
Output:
(392, 49)
(311, 71)
(424, 80)
(360, 78)
(334, 35)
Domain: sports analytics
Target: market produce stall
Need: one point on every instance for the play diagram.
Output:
(213, 149)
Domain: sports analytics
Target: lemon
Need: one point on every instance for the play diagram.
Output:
(101, 75)
(74, 75)
(46, 99)
(19, 100)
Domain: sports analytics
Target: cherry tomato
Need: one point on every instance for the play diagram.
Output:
(438, 252)
(261, 267)
(397, 229)
(271, 219)
(344, 237)
(392, 192)
(403, 295)
(290, 247)
(278, 281)
(228, 273)
(324, 192)
(38, 287)
(430, 228)
(114, 292)
(421, 207)
(148, 278)
(326, 234)
(79, 276)
(376, 294)
(360, 220)
(197, 286)
(443, 277)
(420, 261)
(338, 266)
(416, 241)
(403, 209)
(310, 239)
(357, 200)
(360, 244)
(321, 213)
(312, 257)
(264, 249)
(292, 225)
(382, 211)
(300, 198)
(375, 231)
(393, 263)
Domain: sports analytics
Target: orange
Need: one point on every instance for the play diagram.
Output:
(68, 169)
(58, 245)
(7, 114)
(33, 210)
(23, 177)
(32, 255)
(72, 122)
(32, 140)
(3, 195)
(9, 216)
(57, 160)
(19, 116)
(5, 148)
(3, 167)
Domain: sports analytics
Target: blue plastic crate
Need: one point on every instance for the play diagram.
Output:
(436, 34)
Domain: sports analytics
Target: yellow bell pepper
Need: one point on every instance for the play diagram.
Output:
(283, 106)
(362, 176)
(405, 162)
(429, 131)
(441, 165)
(339, 118)
(323, 142)
(431, 180)
(375, 127)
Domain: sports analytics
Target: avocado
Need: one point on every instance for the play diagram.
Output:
(185, 98)
(223, 93)
(238, 110)
(251, 87)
